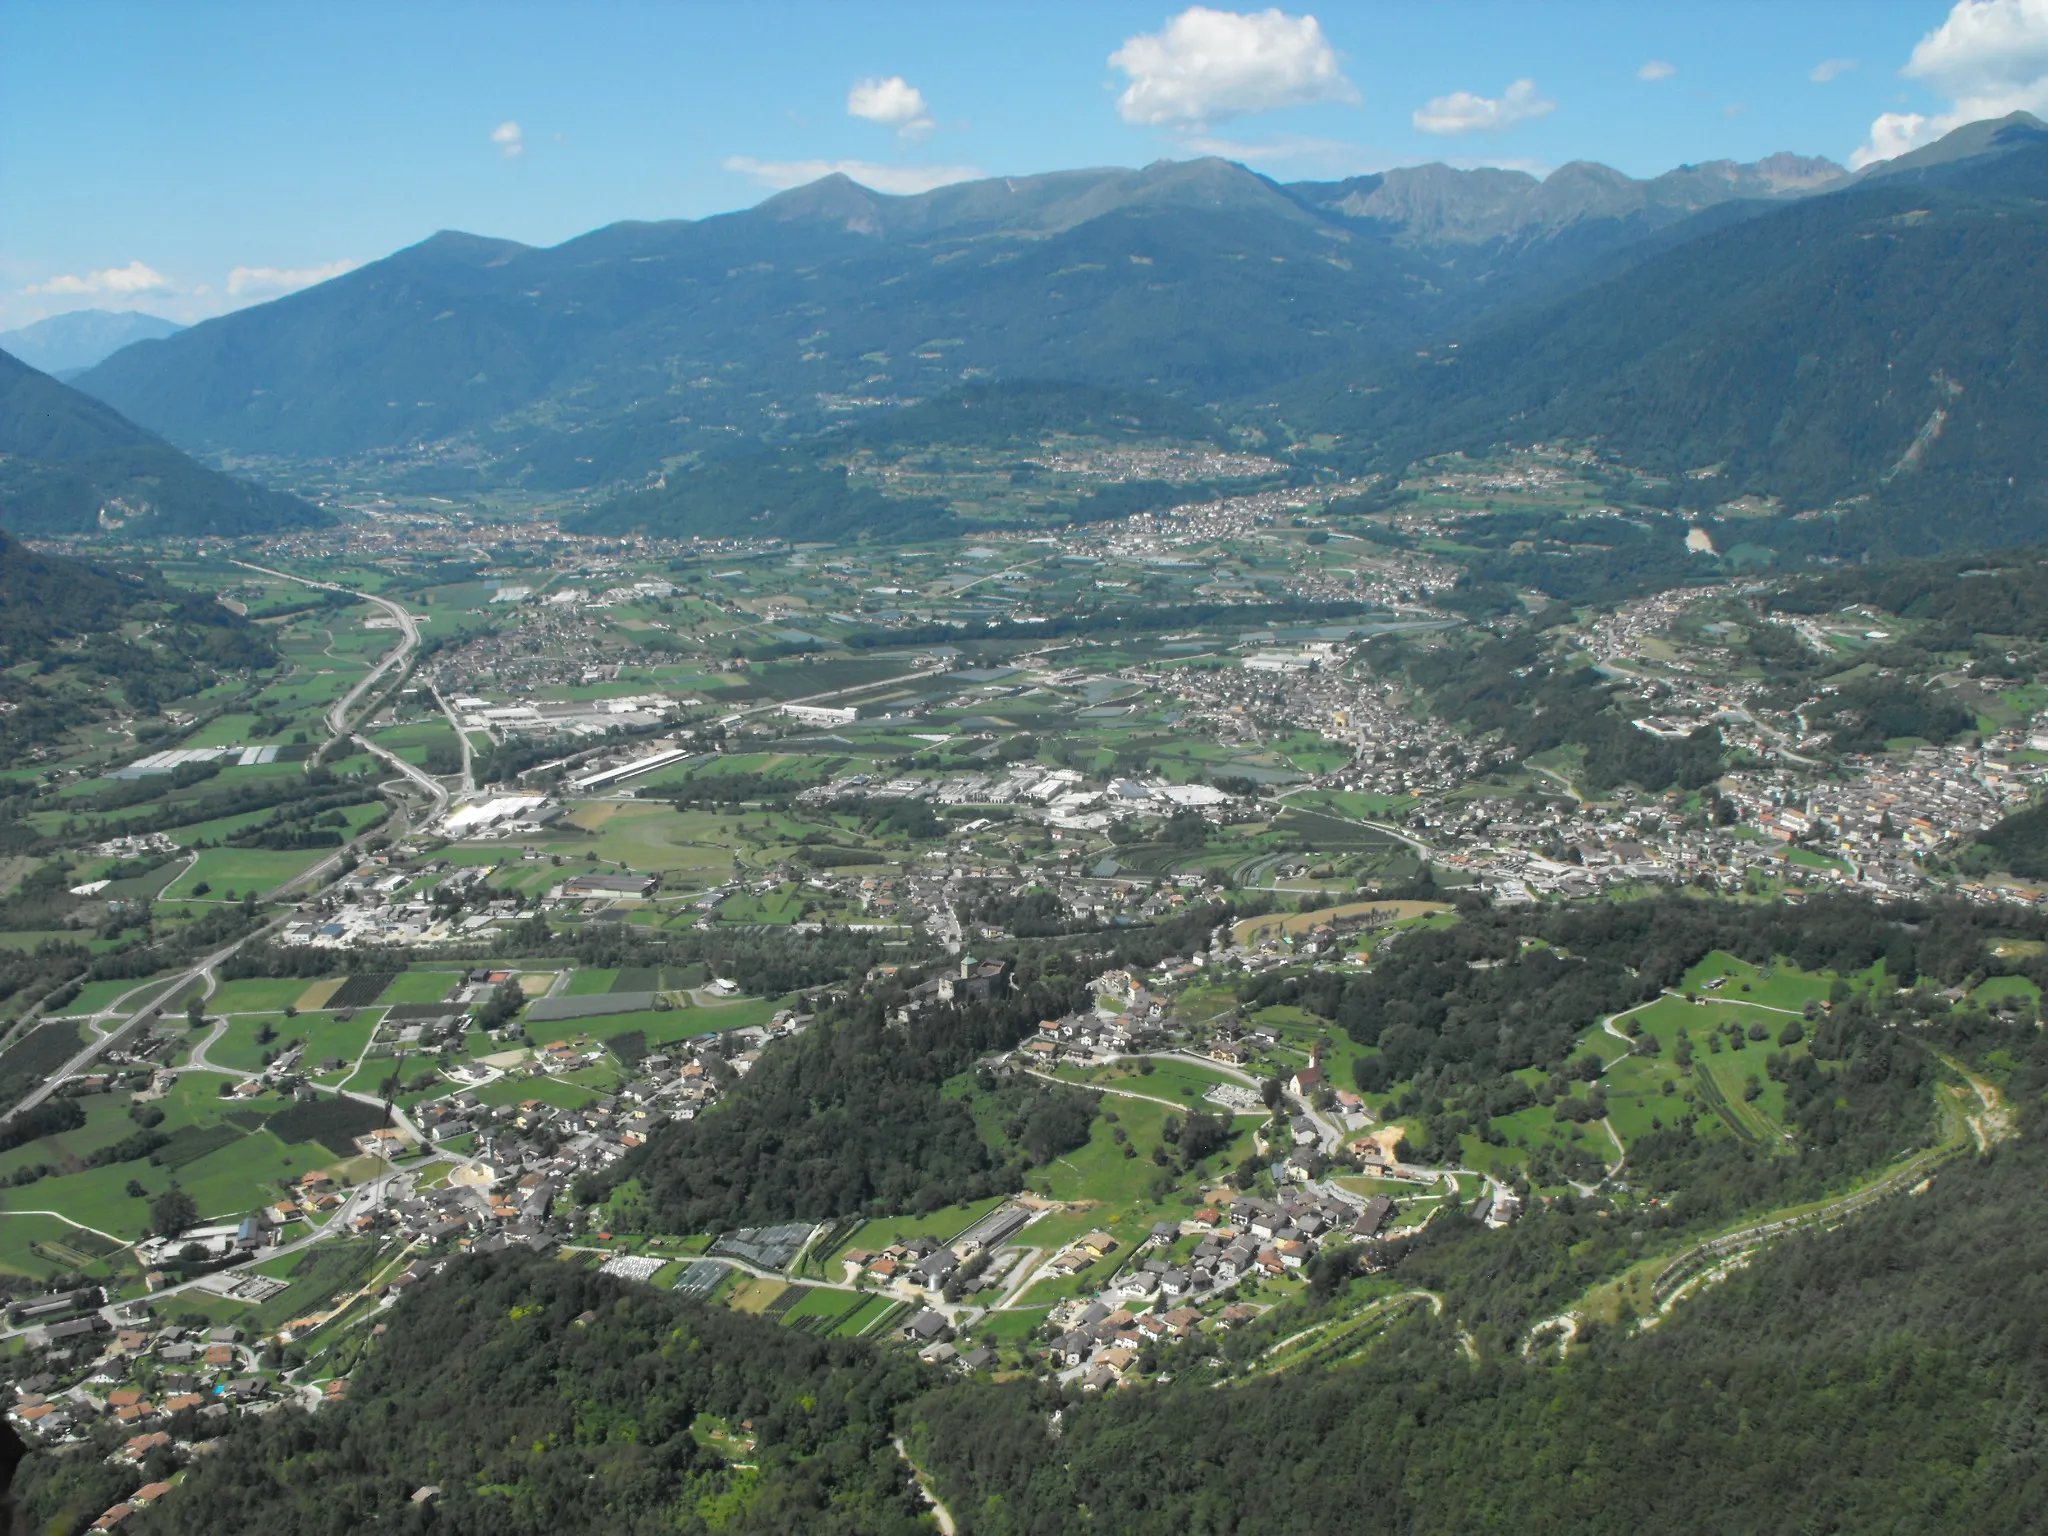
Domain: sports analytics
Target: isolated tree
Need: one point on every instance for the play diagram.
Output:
(172, 1212)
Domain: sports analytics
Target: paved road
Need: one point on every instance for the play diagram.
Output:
(197, 1061)
(1569, 787)
(462, 736)
(408, 642)
(201, 970)
(408, 630)
(419, 776)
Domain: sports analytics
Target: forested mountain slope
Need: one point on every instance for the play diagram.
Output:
(656, 339)
(1879, 353)
(77, 632)
(69, 464)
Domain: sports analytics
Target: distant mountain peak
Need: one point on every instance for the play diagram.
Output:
(1036, 205)
(73, 341)
(1441, 204)
(833, 199)
(458, 245)
(1792, 172)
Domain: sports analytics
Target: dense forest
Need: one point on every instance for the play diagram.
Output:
(849, 1118)
(1121, 616)
(1023, 413)
(1566, 555)
(773, 495)
(543, 1398)
(1958, 597)
(1428, 1002)
(1864, 713)
(2020, 842)
(1453, 1012)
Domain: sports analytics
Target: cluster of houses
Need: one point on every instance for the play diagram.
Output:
(520, 1156)
(147, 1391)
(918, 1261)
(1098, 1339)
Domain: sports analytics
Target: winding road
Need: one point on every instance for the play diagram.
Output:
(408, 630)
(395, 658)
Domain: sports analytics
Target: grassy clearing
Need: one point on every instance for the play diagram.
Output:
(1180, 1083)
(243, 1045)
(864, 1318)
(98, 996)
(1782, 986)
(562, 1092)
(1999, 988)
(256, 995)
(756, 1295)
(39, 1247)
(421, 986)
(242, 870)
(714, 1014)
(241, 1174)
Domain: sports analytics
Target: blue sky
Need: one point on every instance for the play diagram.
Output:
(191, 158)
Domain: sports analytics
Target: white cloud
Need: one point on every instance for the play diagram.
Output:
(903, 179)
(1207, 66)
(139, 286)
(117, 282)
(1989, 58)
(1656, 69)
(510, 139)
(1891, 135)
(1463, 112)
(1830, 69)
(894, 102)
(268, 282)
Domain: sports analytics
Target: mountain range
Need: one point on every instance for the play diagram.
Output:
(69, 464)
(68, 344)
(1760, 321)
(1876, 356)
(643, 341)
